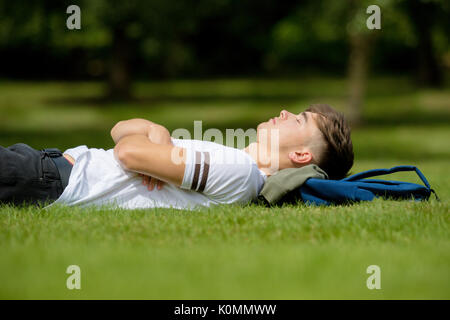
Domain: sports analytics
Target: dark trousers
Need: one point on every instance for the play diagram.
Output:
(28, 176)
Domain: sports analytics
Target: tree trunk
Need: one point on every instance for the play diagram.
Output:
(119, 82)
(422, 18)
(357, 75)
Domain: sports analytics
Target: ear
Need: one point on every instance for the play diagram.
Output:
(300, 158)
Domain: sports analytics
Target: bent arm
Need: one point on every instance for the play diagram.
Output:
(165, 162)
(155, 132)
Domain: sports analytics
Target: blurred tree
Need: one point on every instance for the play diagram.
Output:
(119, 18)
(113, 29)
(136, 22)
(122, 40)
(235, 35)
(326, 33)
(131, 23)
(360, 39)
(219, 34)
(422, 15)
(334, 23)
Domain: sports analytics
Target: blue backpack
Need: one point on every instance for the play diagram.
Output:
(358, 188)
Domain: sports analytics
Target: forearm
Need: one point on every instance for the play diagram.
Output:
(155, 132)
(164, 162)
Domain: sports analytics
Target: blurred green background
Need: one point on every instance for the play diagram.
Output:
(231, 64)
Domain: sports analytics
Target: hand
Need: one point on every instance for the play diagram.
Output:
(150, 182)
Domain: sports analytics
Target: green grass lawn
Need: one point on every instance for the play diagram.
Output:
(252, 252)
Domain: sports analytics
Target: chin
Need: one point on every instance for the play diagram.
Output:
(262, 125)
(259, 126)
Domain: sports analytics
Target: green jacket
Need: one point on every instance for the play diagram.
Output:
(279, 185)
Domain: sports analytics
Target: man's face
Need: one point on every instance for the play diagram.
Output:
(294, 130)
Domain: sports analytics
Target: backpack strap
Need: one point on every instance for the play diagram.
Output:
(380, 172)
(435, 194)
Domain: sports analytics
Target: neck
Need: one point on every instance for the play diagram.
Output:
(267, 162)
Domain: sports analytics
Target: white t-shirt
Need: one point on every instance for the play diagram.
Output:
(214, 174)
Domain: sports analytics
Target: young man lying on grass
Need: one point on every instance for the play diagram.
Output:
(147, 168)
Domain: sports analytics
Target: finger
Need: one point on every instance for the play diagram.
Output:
(145, 180)
(160, 184)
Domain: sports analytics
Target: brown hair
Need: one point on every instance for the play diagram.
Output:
(337, 158)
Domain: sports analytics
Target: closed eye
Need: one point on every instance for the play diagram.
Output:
(304, 116)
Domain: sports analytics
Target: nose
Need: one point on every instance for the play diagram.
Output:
(284, 114)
